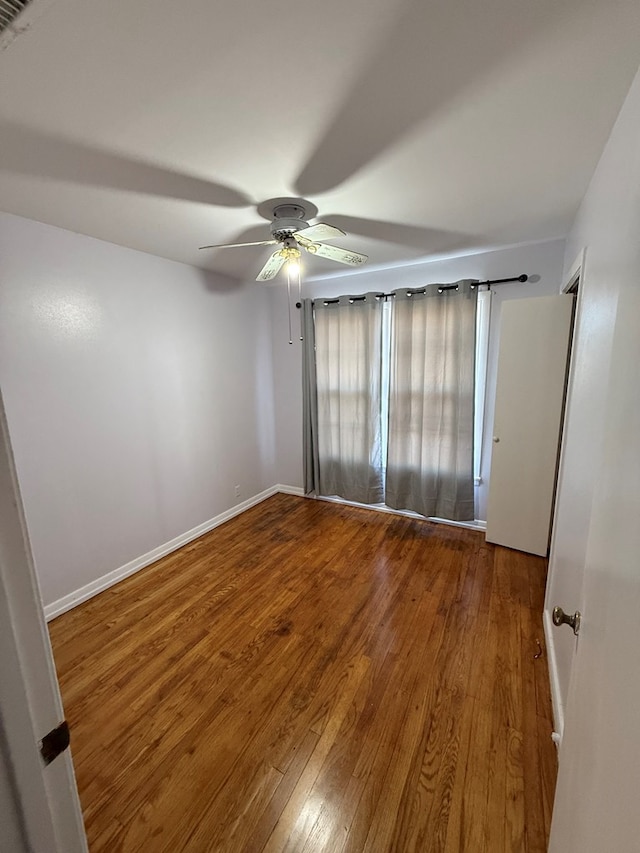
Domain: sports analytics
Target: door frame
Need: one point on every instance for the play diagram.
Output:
(45, 797)
(575, 274)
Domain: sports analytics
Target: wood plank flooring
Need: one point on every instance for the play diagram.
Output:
(314, 677)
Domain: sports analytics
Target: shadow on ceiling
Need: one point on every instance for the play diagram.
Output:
(435, 53)
(28, 152)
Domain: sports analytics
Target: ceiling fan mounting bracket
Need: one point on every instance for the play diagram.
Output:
(287, 208)
(289, 211)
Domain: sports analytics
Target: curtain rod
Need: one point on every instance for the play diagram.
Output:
(441, 289)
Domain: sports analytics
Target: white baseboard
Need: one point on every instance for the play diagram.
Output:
(67, 602)
(554, 680)
(289, 490)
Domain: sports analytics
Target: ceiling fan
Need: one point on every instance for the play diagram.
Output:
(290, 228)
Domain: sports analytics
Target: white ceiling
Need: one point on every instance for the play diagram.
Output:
(422, 127)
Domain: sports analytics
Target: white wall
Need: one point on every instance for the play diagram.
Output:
(599, 230)
(138, 394)
(541, 259)
(598, 525)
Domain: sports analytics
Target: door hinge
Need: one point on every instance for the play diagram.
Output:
(55, 742)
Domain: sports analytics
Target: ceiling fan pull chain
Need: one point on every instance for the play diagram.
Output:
(289, 301)
(300, 301)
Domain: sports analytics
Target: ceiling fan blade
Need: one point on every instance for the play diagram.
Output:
(238, 245)
(321, 231)
(343, 256)
(272, 267)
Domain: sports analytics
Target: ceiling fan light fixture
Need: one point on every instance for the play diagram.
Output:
(293, 268)
(291, 254)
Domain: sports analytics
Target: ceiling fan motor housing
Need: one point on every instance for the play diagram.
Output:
(287, 219)
(287, 215)
(282, 228)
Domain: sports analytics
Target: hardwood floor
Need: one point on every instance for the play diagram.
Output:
(314, 677)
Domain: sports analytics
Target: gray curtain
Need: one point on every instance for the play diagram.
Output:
(430, 445)
(344, 456)
(309, 402)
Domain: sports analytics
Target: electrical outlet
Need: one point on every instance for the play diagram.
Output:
(237, 491)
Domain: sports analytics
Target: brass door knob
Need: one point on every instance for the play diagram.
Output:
(562, 618)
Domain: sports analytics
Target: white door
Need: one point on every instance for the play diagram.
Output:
(596, 806)
(532, 361)
(45, 796)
